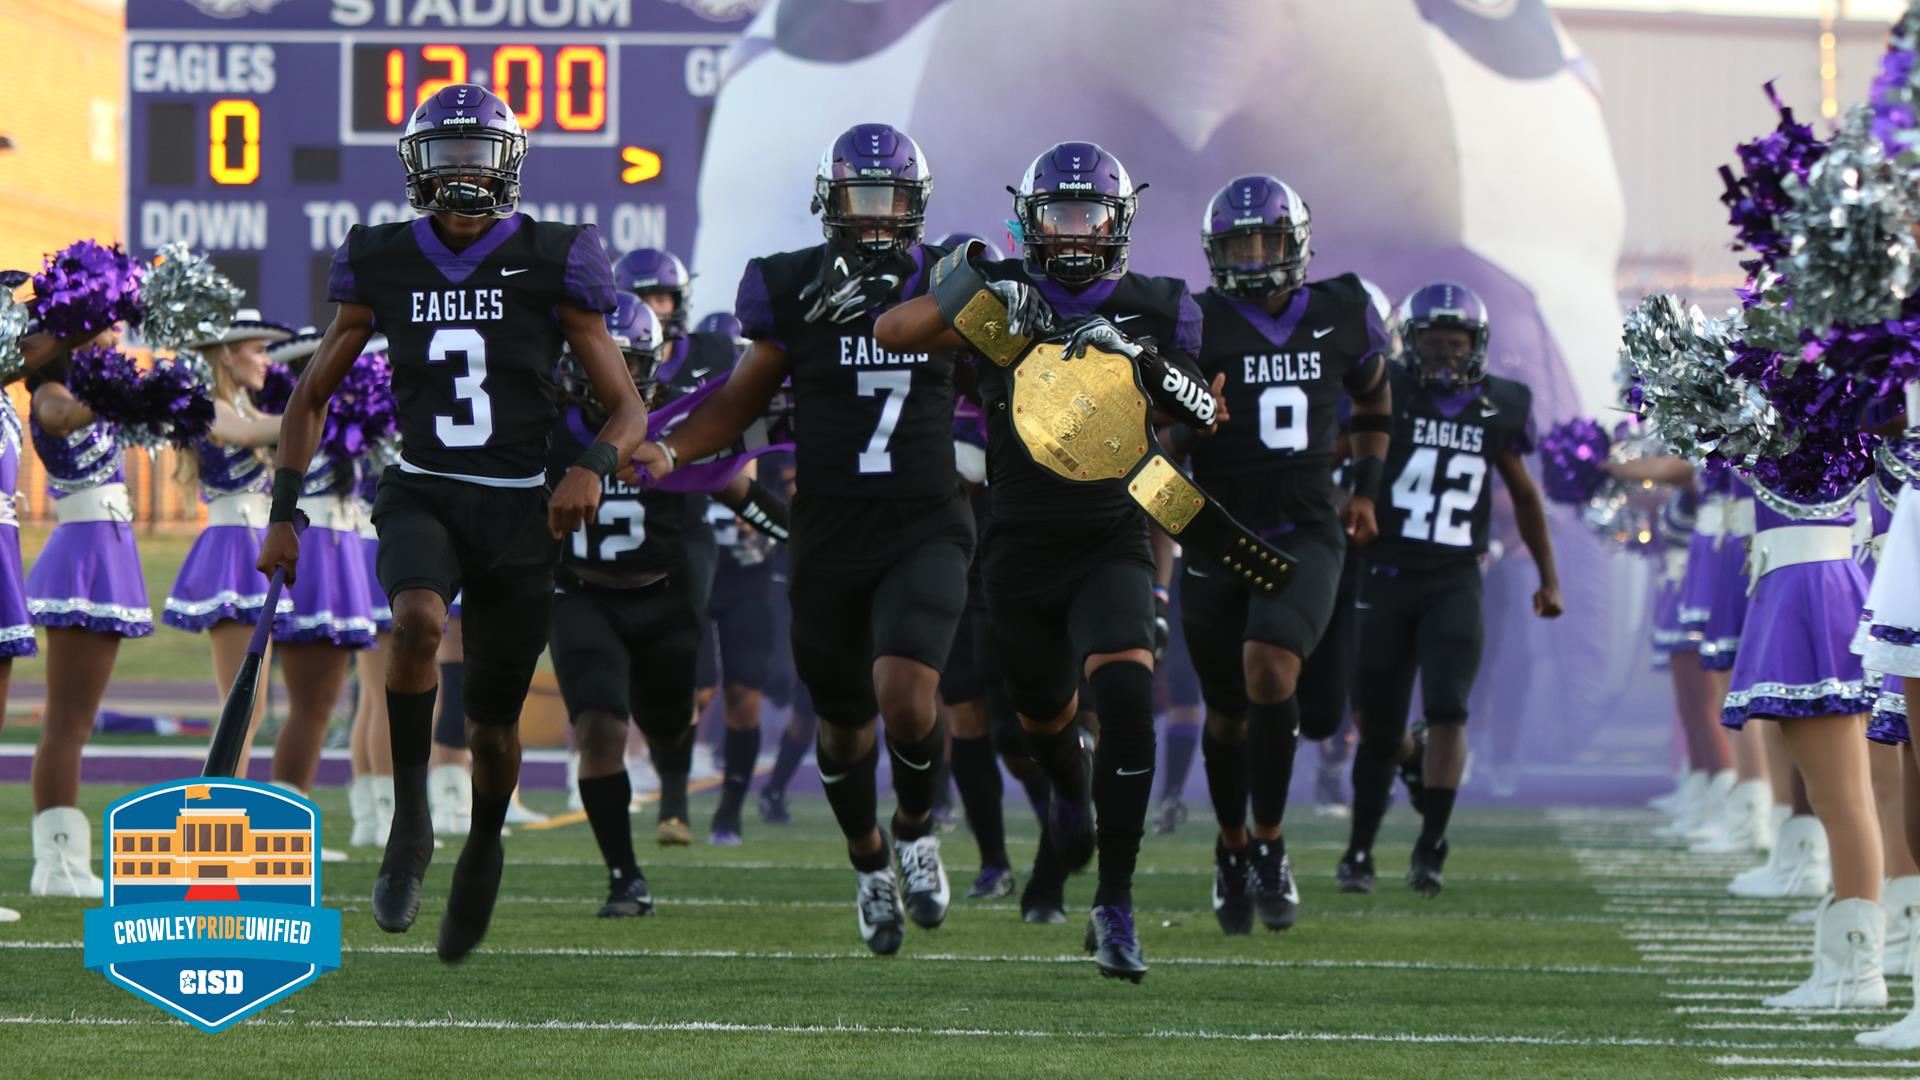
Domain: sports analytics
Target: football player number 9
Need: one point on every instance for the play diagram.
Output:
(469, 386)
(1283, 418)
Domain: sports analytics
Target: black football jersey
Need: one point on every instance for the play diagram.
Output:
(1286, 375)
(695, 359)
(473, 336)
(1436, 500)
(868, 423)
(634, 532)
(1140, 306)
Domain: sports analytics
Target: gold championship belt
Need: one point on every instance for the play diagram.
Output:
(1087, 420)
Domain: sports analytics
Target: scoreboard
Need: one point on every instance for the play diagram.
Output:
(260, 131)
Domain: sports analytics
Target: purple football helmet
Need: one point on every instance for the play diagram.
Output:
(648, 272)
(720, 322)
(1258, 235)
(636, 329)
(1445, 365)
(871, 189)
(958, 239)
(463, 149)
(1073, 212)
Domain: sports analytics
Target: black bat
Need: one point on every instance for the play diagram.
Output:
(236, 716)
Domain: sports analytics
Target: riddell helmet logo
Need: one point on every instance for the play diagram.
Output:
(453, 121)
(1074, 185)
(233, 9)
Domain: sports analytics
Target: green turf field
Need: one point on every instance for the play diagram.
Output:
(1564, 946)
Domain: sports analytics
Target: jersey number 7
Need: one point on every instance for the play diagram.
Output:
(893, 386)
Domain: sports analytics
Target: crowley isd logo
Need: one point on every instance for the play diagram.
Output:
(213, 899)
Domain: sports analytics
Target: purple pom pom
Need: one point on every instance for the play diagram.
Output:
(1827, 466)
(363, 411)
(1573, 456)
(1754, 199)
(85, 288)
(175, 403)
(108, 382)
(273, 395)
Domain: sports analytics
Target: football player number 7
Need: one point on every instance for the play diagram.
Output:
(1413, 493)
(465, 344)
(893, 387)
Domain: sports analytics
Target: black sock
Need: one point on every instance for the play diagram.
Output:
(1122, 775)
(489, 817)
(1436, 807)
(410, 735)
(739, 753)
(1273, 735)
(672, 761)
(1226, 765)
(451, 728)
(1181, 741)
(1059, 757)
(850, 791)
(785, 763)
(878, 859)
(943, 782)
(605, 800)
(977, 775)
(1039, 792)
(1372, 789)
(916, 768)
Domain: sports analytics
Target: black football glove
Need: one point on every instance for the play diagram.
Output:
(1162, 627)
(843, 292)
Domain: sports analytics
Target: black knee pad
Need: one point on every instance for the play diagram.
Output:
(662, 724)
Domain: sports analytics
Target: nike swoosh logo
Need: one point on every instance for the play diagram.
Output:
(1318, 334)
(1125, 318)
(1133, 772)
(1489, 410)
(504, 272)
(825, 779)
(698, 372)
(908, 764)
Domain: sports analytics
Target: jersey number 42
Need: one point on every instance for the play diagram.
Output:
(1413, 493)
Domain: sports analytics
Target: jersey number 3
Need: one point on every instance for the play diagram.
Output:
(1413, 494)
(892, 387)
(466, 344)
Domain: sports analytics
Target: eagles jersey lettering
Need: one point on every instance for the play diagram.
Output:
(634, 532)
(868, 423)
(1286, 376)
(1436, 504)
(473, 336)
(1139, 306)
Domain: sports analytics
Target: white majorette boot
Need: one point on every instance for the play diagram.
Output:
(327, 854)
(1905, 1034)
(380, 795)
(1798, 865)
(1748, 823)
(573, 783)
(63, 855)
(360, 805)
(1846, 961)
(1670, 802)
(1704, 813)
(1901, 899)
(450, 799)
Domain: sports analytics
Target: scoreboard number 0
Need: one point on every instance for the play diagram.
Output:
(233, 141)
(519, 77)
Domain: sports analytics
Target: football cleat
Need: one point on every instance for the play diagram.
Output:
(1411, 769)
(1232, 889)
(925, 877)
(992, 883)
(1330, 796)
(1042, 902)
(673, 832)
(476, 885)
(627, 897)
(1275, 896)
(1171, 815)
(1355, 872)
(1070, 821)
(721, 836)
(1423, 875)
(410, 844)
(876, 907)
(773, 808)
(1116, 946)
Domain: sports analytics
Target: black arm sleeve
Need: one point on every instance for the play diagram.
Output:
(765, 511)
(1366, 379)
(1176, 386)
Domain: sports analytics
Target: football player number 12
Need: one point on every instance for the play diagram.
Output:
(892, 388)
(468, 386)
(1413, 493)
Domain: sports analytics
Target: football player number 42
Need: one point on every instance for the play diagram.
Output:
(891, 387)
(1414, 494)
(466, 344)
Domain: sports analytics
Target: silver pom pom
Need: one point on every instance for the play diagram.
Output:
(186, 299)
(1689, 400)
(1615, 516)
(13, 327)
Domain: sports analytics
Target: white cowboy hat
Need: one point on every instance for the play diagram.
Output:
(247, 325)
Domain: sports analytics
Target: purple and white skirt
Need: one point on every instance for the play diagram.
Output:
(220, 581)
(1727, 605)
(1794, 658)
(16, 625)
(331, 600)
(88, 576)
(377, 596)
(1892, 644)
(1888, 724)
(1670, 635)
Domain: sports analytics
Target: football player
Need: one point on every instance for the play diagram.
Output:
(1067, 567)
(881, 530)
(476, 301)
(1421, 599)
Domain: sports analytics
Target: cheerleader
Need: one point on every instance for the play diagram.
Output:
(86, 589)
(1795, 667)
(218, 589)
(332, 616)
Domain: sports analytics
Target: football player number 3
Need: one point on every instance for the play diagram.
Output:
(1447, 522)
(466, 345)
(892, 387)
(1283, 418)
